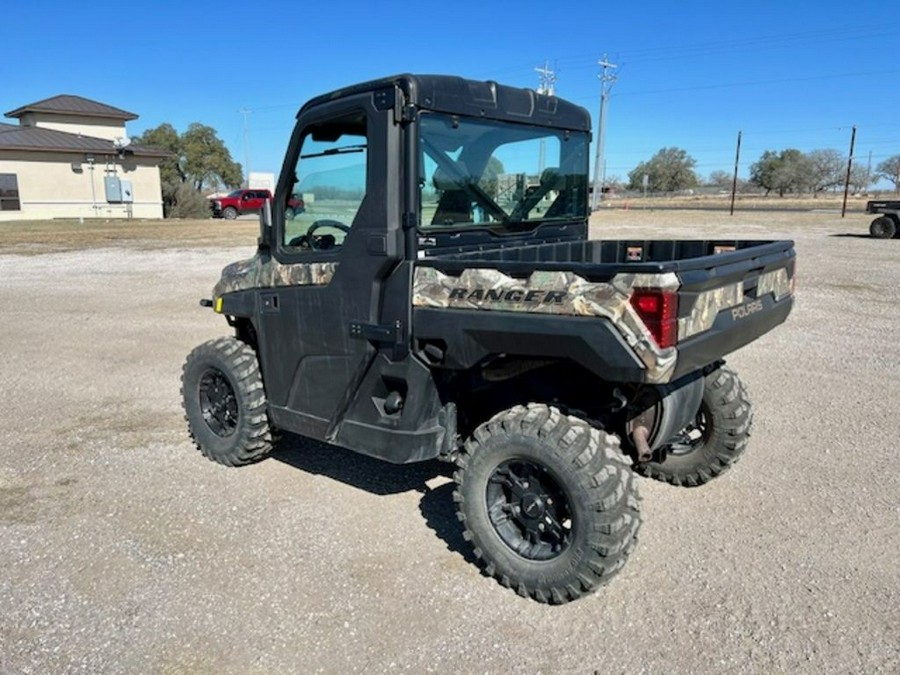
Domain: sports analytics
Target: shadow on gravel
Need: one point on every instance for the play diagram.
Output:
(853, 235)
(382, 478)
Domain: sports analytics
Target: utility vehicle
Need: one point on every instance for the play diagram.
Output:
(439, 298)
(887, 224)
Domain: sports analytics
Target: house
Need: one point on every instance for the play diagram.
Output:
(70, 157)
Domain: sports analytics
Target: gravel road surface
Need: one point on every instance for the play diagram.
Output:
(123, 550)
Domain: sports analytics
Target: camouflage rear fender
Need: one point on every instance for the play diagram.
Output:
(560, 293)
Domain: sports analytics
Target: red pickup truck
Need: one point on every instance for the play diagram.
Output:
(244, 201)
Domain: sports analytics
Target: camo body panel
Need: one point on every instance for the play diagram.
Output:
(254, 273)
(559, 293)
(707, 308)
(777, 283)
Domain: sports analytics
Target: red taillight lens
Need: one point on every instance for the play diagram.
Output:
(659, 312)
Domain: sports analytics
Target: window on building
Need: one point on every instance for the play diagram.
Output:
(9, 192)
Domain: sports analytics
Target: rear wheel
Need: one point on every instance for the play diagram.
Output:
(548, 502)
(883, 228)
(718, 435)
(289, 213)
(225, 403)
(229, 213)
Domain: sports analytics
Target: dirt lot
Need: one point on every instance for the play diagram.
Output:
(123, 550)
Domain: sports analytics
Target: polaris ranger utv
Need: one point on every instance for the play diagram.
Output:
(439, 298)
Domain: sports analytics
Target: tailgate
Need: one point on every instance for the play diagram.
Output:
(727, 300)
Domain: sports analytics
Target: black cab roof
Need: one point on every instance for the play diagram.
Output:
(456, 95)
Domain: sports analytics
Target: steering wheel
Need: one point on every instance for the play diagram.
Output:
(318, 243)
(322, 242)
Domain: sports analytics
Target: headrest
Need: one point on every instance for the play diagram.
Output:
(552, 179)
(443, 181)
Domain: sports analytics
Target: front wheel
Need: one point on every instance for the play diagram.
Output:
(549, 503)
(229, 213)
(716, 438)
(225, 403)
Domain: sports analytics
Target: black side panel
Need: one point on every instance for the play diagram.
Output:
(242, 304)
(397, 414)
(469, 336)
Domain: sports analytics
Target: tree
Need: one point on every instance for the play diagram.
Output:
(861, 178)
(720, 179)
(669, 170)
(489, 177)
(199, 158)
(206, 159)
(889, 169)
(785, 171)
(828, 169)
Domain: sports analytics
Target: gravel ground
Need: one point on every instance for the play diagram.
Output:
(123, 550)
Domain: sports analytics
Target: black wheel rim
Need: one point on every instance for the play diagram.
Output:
(529, 509)
(218, 403)
(693, 435)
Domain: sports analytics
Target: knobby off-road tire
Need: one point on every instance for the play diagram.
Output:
(225, 402)
(883, 228)
(714, 441)
(549, 503)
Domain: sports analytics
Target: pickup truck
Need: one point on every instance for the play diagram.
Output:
(887, 225)
(423, 306)
(244, 201)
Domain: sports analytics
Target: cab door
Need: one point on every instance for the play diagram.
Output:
(330, 262)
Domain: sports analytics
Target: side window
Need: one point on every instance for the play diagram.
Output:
(329, 186)
(9, 192)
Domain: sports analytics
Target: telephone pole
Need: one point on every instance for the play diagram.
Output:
(548, 82)
(246, 113)
(606, 80)
(849, 169)
(548, 79)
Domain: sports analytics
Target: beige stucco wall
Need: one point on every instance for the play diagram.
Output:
(49, 187)
(98, 127)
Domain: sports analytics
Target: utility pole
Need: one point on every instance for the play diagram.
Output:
(868, 172)
(548, 79)
(849, 168)
(547, 87)
(737, 160)
(246, 113)
(606, 80)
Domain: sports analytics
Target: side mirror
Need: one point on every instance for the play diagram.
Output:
(265, 224)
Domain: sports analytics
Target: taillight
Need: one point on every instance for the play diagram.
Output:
(658, 310)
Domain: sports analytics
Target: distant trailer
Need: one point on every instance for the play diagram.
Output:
(887, 224)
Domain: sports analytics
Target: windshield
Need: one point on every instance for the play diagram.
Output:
(485, 172)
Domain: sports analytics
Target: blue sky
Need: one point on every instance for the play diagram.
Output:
(691, 74)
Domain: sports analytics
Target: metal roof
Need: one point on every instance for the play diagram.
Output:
(37, 139)
(66, 104)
